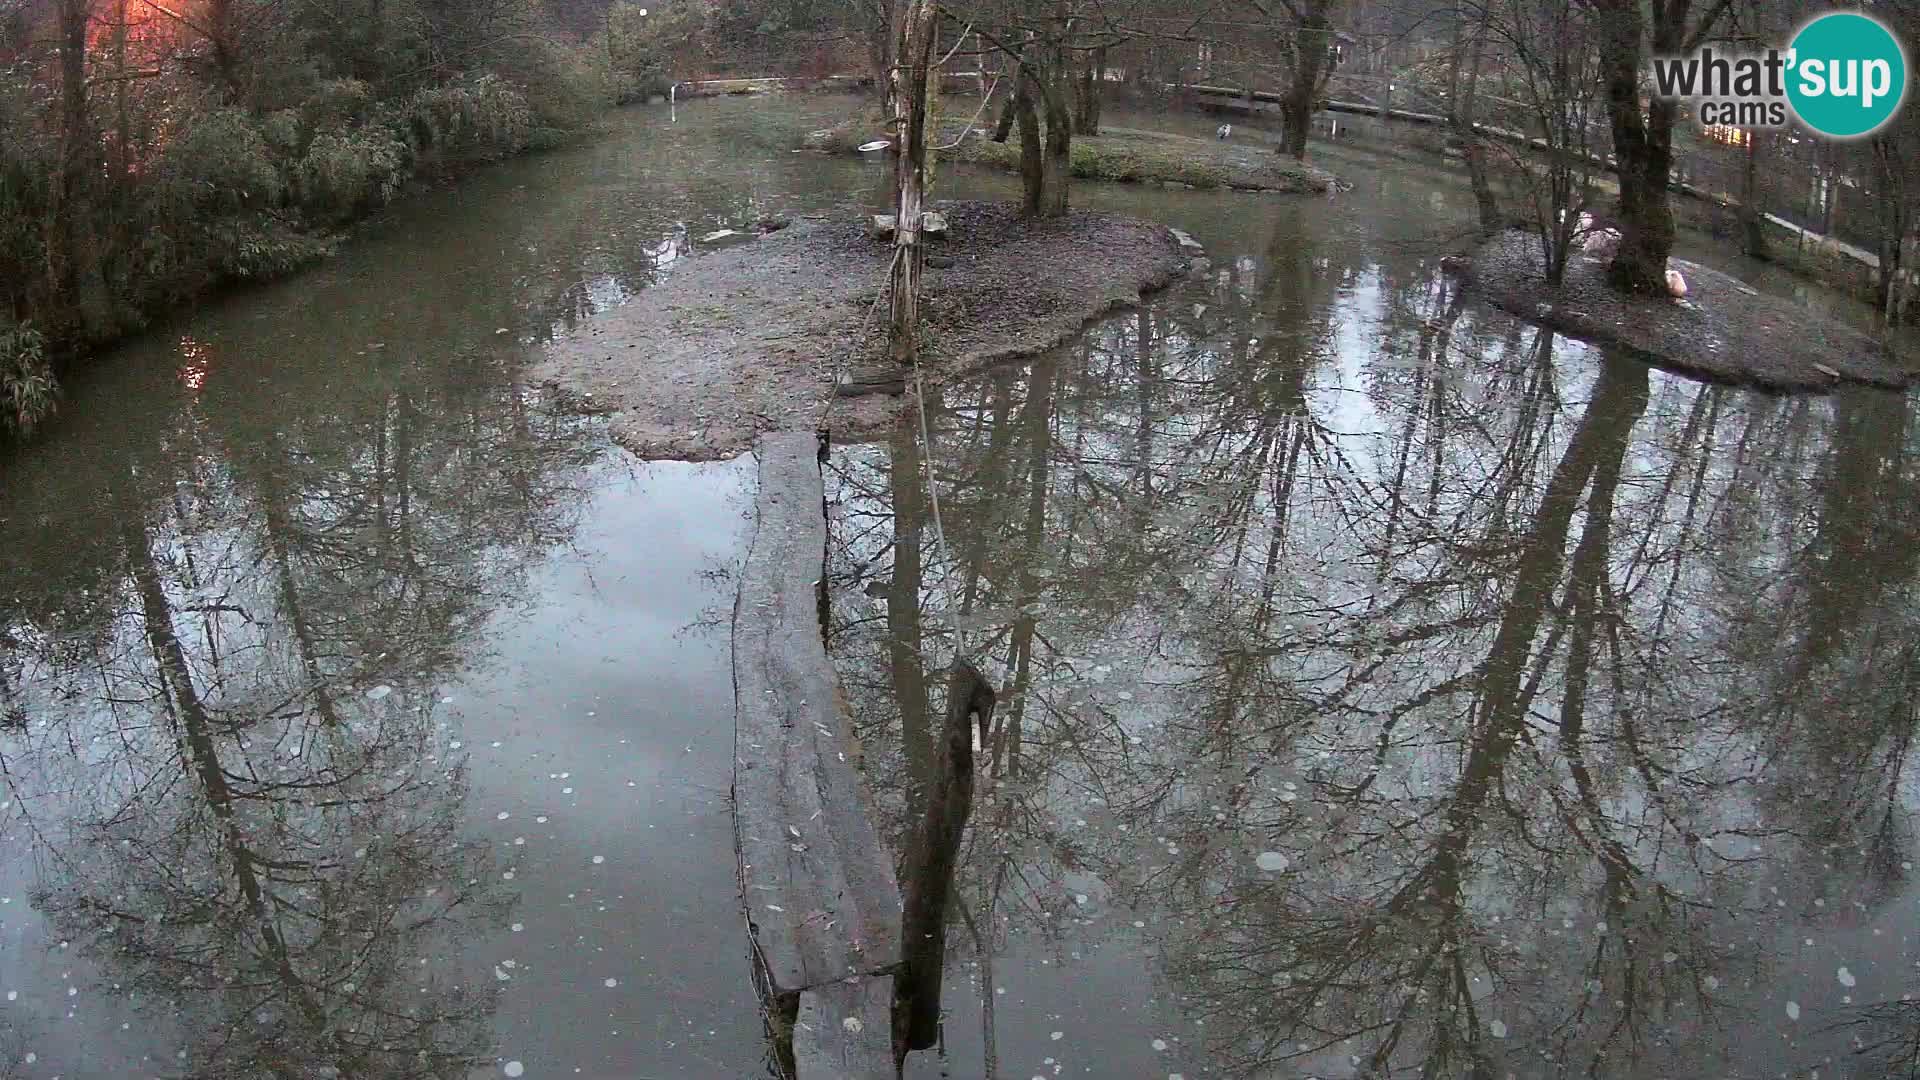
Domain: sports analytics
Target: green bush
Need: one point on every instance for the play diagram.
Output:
(486, 115)
(196, 178)
(337, 103)
(26, 382)
(344, 172)
(219, 163)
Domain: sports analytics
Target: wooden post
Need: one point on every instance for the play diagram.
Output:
(909, 81)
(931, 862)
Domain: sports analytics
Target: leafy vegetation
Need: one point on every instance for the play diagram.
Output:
(1129, 157)
(149, 153)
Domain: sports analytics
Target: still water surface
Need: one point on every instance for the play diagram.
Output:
(1390, 689)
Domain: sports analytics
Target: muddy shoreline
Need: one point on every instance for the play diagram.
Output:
(1724, 330)
(752, 338)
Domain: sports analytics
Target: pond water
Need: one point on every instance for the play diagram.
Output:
(1386, 687)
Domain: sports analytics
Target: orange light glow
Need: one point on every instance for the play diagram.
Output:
(1727, 134)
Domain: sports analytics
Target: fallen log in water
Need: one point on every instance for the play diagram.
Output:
(823, 909)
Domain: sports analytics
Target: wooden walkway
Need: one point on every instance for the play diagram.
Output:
(822, 905)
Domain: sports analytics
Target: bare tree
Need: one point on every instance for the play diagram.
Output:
(1643, 140)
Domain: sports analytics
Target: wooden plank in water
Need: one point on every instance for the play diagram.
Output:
(843, 1031)
(822, 902)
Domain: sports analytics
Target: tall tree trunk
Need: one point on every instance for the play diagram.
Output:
(1311, 39)
(1890, 197)
(1095, 99)
(1056, 162)
(78, 149)
(1464, 91)
(220, 36)
(1642, 144)
(910, 178)
(1086, 95)
(122, 117)
(881, 15)
(1753, 225)
(1032, 172)
(1003, 126)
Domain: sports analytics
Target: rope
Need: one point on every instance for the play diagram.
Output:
(977, 113)
(933, 499)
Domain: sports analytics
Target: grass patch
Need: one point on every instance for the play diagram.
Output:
(1128, 156)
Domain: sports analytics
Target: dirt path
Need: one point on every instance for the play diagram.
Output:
(749, 339)
(1724, 330)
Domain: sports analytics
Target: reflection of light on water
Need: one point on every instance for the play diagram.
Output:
(198, 363)
(1728, 134)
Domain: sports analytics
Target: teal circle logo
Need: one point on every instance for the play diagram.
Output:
(1847, 75)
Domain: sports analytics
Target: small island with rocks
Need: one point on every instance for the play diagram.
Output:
(1721, 329)
(1117, 154)
(755, 336)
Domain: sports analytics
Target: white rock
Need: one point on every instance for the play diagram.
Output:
(1271, 861)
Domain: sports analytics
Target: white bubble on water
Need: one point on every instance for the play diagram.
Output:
(611, 983)
(1057, 1035)
(514, 1068)
(502, 816)
(1846, 978)
(1497, 1028)
(1793, 1010)
(517, 927)
(598, 859)
(1159, 1044)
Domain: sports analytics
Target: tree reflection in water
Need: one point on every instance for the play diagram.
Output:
(239, 794)
(1574, 698)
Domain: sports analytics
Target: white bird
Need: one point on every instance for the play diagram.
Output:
(1224, 131)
